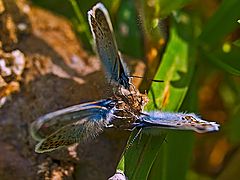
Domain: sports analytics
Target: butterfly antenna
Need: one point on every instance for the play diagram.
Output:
(132, 141)
(154, 80)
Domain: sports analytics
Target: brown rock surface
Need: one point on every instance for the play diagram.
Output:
(57, 74)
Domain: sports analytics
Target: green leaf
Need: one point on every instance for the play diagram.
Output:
(237, 43)
(233, 126)
(141, 155)
(81, 23)
(227, 61)
(222, 22)
(173, 160)
(127, 30)
(165, 8)
(176, 69)
(63, 8)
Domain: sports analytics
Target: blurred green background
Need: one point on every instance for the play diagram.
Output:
(194, 47)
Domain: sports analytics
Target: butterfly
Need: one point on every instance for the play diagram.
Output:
(81, 123)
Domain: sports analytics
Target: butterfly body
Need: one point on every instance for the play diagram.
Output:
(128, 108)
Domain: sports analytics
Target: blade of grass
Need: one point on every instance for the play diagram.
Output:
(82, 25)
(173, 160)
(127, 30)
(176, 69)
(237, 43)
(233, 126)
(222, 22)
(226, 61)
(165, 8)
(64, 8)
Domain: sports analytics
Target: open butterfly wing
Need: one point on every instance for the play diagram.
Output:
(78, 132)
(179, 121)
(106, 45)
(51, 122)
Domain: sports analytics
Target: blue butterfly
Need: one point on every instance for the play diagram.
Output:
(83, 122)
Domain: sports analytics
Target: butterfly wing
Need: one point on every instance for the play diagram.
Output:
(51, 122)
(179, 121)
(106, 45)
(81, 131)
